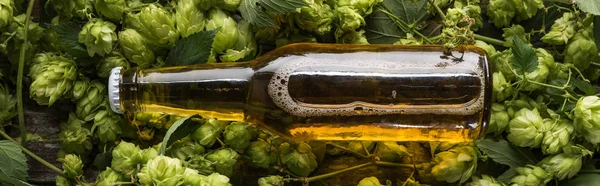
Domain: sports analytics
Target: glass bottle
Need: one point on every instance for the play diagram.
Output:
(326, 92)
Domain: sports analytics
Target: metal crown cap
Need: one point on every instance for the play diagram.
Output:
(113, 90)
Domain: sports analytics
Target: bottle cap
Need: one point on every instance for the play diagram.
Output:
(113, 90)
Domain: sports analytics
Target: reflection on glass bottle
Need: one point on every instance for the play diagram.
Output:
(327, 92)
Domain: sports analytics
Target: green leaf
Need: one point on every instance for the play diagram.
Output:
(507, 175)
(589, 6)
(505, 153)
(13, 162)
(597, 30)
(5, 180)
(584, 86)
(194, 49)
(68, 33)
(255, 10)
(180, 129)
(393, 19)
(103, 160)
(524, 58)
(582, 179)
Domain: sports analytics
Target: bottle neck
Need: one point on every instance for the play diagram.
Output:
(217, 91)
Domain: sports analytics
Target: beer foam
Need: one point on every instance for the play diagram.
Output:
(279, 93)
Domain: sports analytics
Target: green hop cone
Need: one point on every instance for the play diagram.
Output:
(237, 135)
(8, 104)
(316, 18)
(454, 16)
(245, 49)
(353, 37)
(208, 133)
(502, 89)
(503, 63)
(581, 50)
(485, 180)
(298, 158)
(72, 166)
(6, 12)
(108, 177)
(98, 36)
(136, 48)
(125, 158)
(271, 181)
(162, 170)
(489, 49)
(562, 166)
(561, 31)
(370, 181)
(260, 154)
(557, 136)
(587, 118)
(53, 76)
(74, 138)
(157, 26)
(530, 176)
(62, 181)
(227, 34)
(474, 12)
(191, 177)
(514, 30)
(360, 147)
(526, 128)
(201, 164)
(215, 179)
(390, 151)
(106, 126)
(527, 8)
(501, 12)
(439, 3)
(457, 164)
(89, 104)
(540, 74)
(498, 120)
(80, 87)
(147, 154)
(231, 5)
(363, 7)
(112, 9)
(224, 160)
(68, 9)
(114, 59)
(184, 149)
(189, 18)
(349, 19)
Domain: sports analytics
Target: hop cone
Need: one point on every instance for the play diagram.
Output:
(527, 8)
(271, 181)
(207, 134)
(363, 7)
(162, 170)
(298, 158)
(562, 166)
(485, 180)
(189, 18)
(157, 26)
(215, 179)
(369, 181)
(457, 164)
(349, 19)
(112, 9)
(201, 164)
(53, 77)
(540, 74)
(237, 135)
(501, 88)
(72, 165)
(108, 177)
(106, 126)
(6, 12)
(62, 181)
(114, 59)
(587, 118)
(227, 35)
(561, 31)
(98, 36)
(87, 106)
(315, 18)
(8, 104)
(526, 128)
(231, 5)
(125, 158)
(185, 149)
(557, 136)
(390, 151)
(581, 50)
(531, 176)
(67, 9)
(223, 160)
(136, 48)
(260, 154)
(501, 12)
(74, 138)
(80, 87)
(498, 120)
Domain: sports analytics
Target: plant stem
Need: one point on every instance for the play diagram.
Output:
(31, 154)
(560, 1)
(439, 11)
(20, 74)
(590, 171)
(489, 40)
(347, 150)
(323, 176)
(594, 64)
(390, 164)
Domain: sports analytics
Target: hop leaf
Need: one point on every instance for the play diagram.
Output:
(98, 36)
(53, 77)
